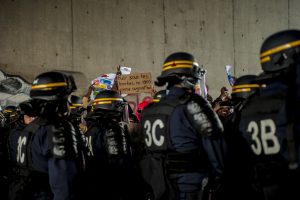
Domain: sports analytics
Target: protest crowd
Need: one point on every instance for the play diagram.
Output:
(179, 144)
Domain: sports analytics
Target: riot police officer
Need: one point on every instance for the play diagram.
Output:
(46, 154)
(269, 120)
(28, 112)
(244, 87)
(110, 167)
(182, 135)
(9, 117)
(77, 112)
(3, 158)
(237, 170)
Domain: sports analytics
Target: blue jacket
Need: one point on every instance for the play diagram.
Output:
(62, 172)
(47, 164)
(185, 138)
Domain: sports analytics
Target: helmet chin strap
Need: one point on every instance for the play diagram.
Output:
(187, 83)
(284, 61)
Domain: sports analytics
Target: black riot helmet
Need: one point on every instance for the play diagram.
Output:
(11, 114)
(51, 86)
(108, 101)
(29, 107)
(244, 87)
(75, 105)
(158, 95)
(180, 67)
(280, 50)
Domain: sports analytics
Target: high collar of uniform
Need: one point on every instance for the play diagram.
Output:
(176, 91)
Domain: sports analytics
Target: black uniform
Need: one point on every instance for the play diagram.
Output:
(189, 156)
(111, 173)
(270, 119)
(109, 164)
(45, 153)
(9, 120)
(46, 159)
(237, 179)
(4, 168)
(184, 149)
(265, 133)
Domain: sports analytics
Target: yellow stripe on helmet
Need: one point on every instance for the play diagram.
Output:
(177, 66)
(246, 86)
(108, 99)
(76, 104)
(241, 90)
(48, 85)
(265, 59)
(280, 48)
(102, 102)
(178, 62)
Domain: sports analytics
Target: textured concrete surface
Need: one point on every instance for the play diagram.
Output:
(91, 37)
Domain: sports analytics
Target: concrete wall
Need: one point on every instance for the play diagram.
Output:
(95, 36)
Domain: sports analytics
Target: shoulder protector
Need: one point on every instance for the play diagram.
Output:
(62, 140)
(203, 118)
(116, 139)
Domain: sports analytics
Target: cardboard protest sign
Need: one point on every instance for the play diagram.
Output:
(135, 83)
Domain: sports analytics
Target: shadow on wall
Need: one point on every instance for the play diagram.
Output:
(15, 89)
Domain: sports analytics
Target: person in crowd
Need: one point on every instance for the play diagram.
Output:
(223, 109)
(183, 136)
(46, 152)
(237, 168)
(209, 98)
(17, 188)
(111, 172)
(222, 106)
(3, 159)
(224, 96)
(141, 106)
(77, 112)
(9, 120)
(11, 115)
(270, 119)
